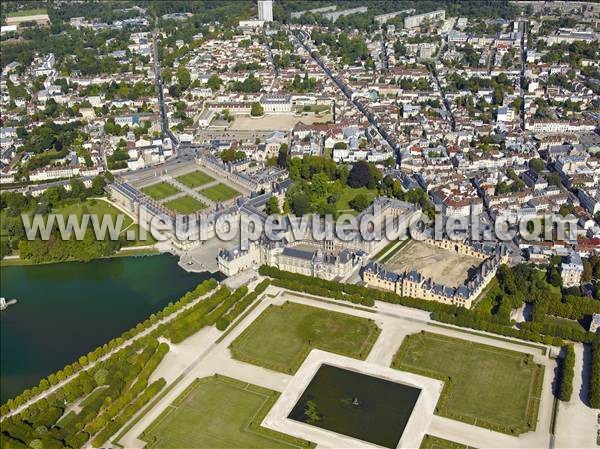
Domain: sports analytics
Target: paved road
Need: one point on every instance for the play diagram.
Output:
(302, 37)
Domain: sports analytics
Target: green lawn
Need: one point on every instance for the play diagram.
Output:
(195, 179)
(94, 207)
(28, 12)
(431, 442)
(349, 193)
(282, 336)
(220, 192)
(160, 190)
(484, 385)
(218, 412)
(185, 205)
(101, 208)
(563, 322)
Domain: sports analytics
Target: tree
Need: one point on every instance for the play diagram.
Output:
(214, 82)
(282, 156)
(184, 78)
(554, 179)
(360, 202)
(257, 110)
(537, 165)
(360, 175)
(272, 206)
(300, 203)
(98, 184)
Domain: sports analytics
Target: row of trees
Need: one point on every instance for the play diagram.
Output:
(567, 373)
(476, 319)
(108, 387)
(594, 392)
(53, 379)
(238, 308)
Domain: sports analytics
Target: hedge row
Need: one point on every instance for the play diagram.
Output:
(192, 320)
(594, 395)
(131, 389)
(447, 313)
(83, 361)
(128, 413)
(224, 321)
(567, 373)
(219, 311)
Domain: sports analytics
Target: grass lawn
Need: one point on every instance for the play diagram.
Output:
(218, 412)
(101, 208)
(160, 190)
(563, 322)
(282, 336)
(383, 257)
(195, 179)
(484, 385)
(28, 12)
(220, 192)
(185, 205)
(431, 442)
(93, 206)
(348, 195)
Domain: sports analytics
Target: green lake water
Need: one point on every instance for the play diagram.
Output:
(66, 310)
(357, 405)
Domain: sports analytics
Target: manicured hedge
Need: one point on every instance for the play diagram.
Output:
(567, 373)
(594, 395)
(113, 426)
(224, 321)
(83, 361)
(446, 313)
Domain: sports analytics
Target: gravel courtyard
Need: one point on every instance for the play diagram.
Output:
(444, 267)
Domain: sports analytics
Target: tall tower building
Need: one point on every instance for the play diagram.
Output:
(265, 10)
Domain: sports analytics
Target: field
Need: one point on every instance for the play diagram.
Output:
(194, 179)
(160, 190)
(348, 195)
(218, 412)
(28, 12)
(282, 336)
(485, 386)
(443, 266)
(220, 192)
(431, 442)
(101, 208)
(185, 205)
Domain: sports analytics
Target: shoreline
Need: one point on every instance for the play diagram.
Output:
(132, 252)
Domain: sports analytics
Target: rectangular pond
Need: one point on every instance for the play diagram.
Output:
(357, 405)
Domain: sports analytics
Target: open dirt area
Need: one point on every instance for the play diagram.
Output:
(276, 122)
(443, 266)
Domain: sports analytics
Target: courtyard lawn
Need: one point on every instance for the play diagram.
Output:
(218, 412)
(348, 195)
(160, 190)
(220, 192)
(185, 205)
(195, 179)
(484, 385)
(282, 336)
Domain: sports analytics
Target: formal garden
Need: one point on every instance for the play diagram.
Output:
(282, 336)
(484, 385)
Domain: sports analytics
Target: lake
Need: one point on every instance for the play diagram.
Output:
(65, 310)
